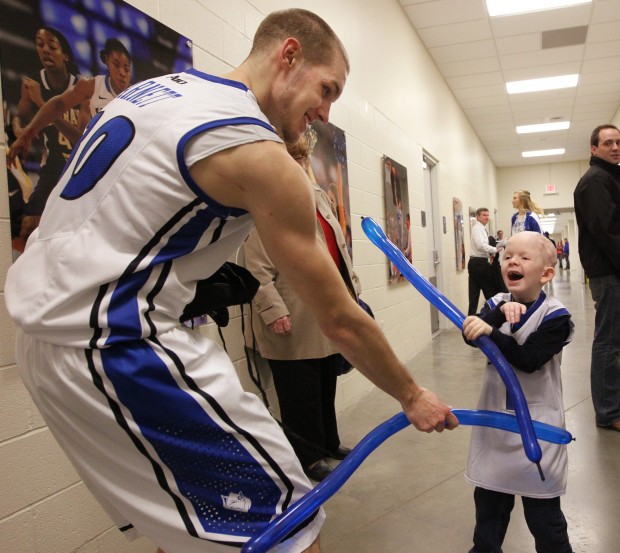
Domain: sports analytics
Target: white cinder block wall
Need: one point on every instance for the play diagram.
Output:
(395, 104)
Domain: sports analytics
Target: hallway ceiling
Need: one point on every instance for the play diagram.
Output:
(478, 54)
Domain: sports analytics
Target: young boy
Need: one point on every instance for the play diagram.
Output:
(530, 329)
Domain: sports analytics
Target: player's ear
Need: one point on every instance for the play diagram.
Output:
(290, 52)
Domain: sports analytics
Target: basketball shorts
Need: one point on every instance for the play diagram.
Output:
(167, 440)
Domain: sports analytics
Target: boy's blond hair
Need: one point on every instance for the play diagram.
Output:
(547, 249)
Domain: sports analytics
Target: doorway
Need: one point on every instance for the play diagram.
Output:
(430, 220)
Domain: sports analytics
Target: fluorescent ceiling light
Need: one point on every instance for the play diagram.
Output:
(546, 83)
(541, 153)
(543, 127)
(511, 7)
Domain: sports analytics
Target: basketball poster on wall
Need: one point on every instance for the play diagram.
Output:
(328, 168)
(397, 216)
(459, 233)
(47, 47)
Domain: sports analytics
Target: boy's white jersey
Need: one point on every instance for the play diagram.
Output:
(127, 233)
(496, 459)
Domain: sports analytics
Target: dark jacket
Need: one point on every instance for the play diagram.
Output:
(597, 210)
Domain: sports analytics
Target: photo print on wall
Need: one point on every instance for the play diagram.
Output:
(46, 47)
(328, 168)
(459, 234)
(397, 214)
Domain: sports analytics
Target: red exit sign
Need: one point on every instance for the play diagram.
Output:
(550, 189)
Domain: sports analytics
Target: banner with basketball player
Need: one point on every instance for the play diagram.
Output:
(91, 51)
(459, 234)
(328, 165)
(397, 215)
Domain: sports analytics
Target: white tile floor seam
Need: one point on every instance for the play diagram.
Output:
(410, 494)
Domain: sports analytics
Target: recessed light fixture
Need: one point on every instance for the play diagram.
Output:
(541, 153)
(543, 127)
(512, 7)
(546, 83)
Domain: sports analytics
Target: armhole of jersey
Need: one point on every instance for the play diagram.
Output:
(219, 209)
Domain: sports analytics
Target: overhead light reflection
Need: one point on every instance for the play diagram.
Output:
(541, 153)
(542, 84)
(511, 7)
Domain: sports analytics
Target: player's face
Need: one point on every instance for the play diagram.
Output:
(307, 96)
(524, 266)
(608, 146)
(119, 68)
(515, 200)
(50, 50)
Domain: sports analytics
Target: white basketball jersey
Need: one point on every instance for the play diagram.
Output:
(127, 233)
(103, 95)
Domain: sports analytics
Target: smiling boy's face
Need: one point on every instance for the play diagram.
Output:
(528, 265)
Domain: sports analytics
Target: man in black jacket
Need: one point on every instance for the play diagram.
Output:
(597, 208)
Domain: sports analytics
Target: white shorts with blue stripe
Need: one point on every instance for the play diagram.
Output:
(164, 436)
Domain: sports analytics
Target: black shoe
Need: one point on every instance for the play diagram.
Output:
(611, 426)
(319, 471)
(340, 453)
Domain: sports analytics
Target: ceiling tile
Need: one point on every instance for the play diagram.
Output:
(456, 33)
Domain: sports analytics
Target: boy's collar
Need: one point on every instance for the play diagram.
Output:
(531, 308)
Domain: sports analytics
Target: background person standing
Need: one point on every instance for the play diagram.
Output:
(559, 248)
(597, 210)
(303, 362)
(528, 213)
(481, 276)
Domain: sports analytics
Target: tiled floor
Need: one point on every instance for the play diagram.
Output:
(410, 494)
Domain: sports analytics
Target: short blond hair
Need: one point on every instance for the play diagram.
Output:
(546, 247)
(318, 41)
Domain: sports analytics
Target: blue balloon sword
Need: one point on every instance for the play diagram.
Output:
(484, 343)
(285, 523)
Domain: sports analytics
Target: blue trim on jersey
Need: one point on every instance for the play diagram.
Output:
(491, 303)
(533, 308)
(214, 79)
(124, 316)
(555, 314)
(219, 209)
(207, 462)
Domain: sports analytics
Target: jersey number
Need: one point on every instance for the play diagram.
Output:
(103, 148)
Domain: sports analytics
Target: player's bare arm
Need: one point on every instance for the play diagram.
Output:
(263, 179)
(51, 112)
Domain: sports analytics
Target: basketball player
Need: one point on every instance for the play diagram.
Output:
(163, 188)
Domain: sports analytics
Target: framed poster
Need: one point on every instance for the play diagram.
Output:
(328, 165)
(472, 219)
(397, 215)
(46, 47)
(459, 234)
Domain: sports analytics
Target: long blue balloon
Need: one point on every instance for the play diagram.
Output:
(528, 436)
(506, 421)
(285, 523)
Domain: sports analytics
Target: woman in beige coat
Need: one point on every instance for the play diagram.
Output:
(304, 363)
